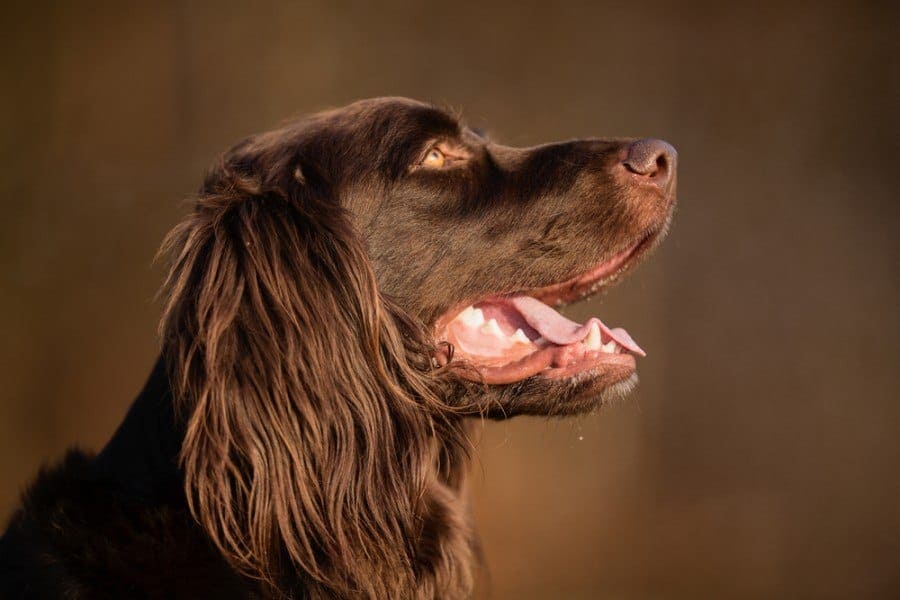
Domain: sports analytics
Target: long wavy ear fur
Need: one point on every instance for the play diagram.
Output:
(313, 432)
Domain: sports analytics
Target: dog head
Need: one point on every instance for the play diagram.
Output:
(349, 287)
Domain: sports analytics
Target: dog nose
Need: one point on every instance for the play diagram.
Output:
(654, 160)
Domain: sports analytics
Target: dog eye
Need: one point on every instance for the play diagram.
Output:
(435, 159)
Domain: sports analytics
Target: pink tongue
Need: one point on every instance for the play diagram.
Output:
(556, 328)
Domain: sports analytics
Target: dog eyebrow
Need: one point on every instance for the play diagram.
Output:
(436, 121)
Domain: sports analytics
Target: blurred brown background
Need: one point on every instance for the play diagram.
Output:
(760, 456)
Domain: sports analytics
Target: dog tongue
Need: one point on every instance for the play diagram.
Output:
(558, 329)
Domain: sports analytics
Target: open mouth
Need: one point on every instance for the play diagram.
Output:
(509, 337)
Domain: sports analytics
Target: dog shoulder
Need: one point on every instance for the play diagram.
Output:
(77, 535)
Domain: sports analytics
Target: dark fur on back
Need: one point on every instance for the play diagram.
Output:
(297, 438)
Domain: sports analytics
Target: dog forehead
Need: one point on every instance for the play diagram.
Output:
(377, 117)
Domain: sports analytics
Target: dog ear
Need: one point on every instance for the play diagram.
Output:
(309, 414)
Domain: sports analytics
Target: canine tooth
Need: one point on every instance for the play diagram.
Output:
(592, 340)
(492, 328)
(520, 337)
(609, 347)
(471, 316)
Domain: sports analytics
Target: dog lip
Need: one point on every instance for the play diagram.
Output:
(540, 364)
(597, 278)
(622, 364)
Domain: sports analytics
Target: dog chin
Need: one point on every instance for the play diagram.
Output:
(588, 393)
(608, 394)
(560, 397)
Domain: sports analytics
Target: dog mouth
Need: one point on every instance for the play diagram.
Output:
(505, 338)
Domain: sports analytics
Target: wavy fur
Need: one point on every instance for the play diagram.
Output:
(316, 439)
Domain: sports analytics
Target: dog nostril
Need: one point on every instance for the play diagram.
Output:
(661, 163)
(653, 159)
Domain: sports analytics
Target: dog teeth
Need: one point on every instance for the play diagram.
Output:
(592, 340)
(471, 316)
(520, 337)
(492, 328)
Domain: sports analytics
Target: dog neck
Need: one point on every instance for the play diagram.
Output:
(142, 456)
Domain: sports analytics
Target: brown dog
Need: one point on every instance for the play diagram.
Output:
(347, 292)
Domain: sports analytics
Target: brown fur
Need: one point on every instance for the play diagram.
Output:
(304, 441)
(317, 439)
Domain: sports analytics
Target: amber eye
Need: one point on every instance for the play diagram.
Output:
(434, 159)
